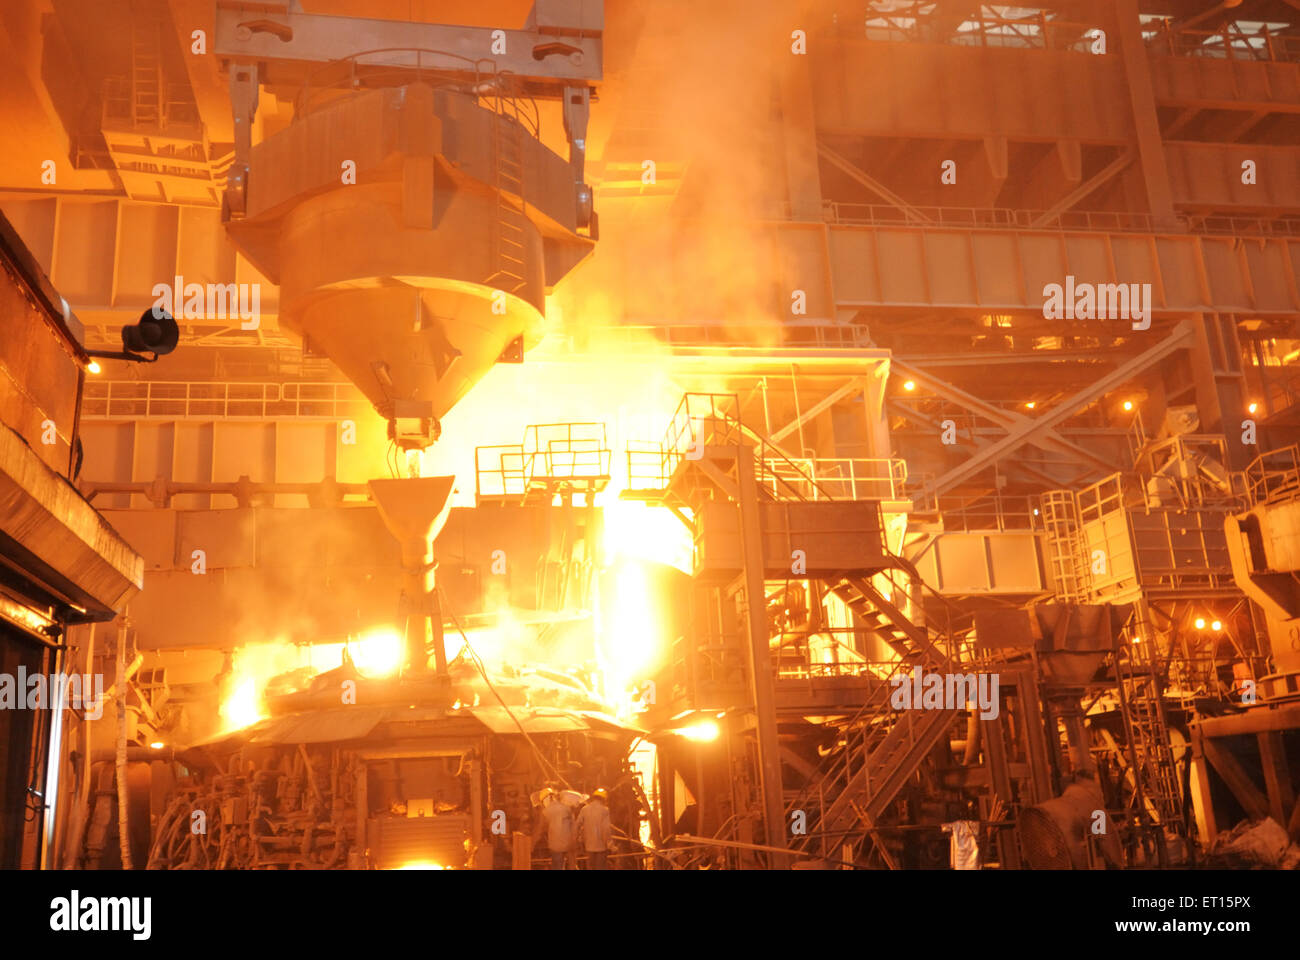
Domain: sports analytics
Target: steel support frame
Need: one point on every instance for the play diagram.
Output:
(1031, 430)
(1050, 440)
(760, 661)
(289, 43)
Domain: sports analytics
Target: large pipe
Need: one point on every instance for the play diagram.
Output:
(123, 833)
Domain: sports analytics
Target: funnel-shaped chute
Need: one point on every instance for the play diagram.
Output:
(414, 511)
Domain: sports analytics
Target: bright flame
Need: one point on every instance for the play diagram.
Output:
(632, 627)
(244, 706)
(421, 865)
(377, 653)
(705, 731)
(634, 529)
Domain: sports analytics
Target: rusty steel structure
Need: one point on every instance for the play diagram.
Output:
(854, 434)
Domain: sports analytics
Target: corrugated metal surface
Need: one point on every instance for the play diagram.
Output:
(397, 841)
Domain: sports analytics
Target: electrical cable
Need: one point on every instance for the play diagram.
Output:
(482, 669)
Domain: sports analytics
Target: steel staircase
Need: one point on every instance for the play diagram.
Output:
(881, 748)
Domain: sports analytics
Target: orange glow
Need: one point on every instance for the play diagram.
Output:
(377, 653)
(1128, 404)
(421, 865)
(705, 731)
(1200, 623)
(909, 385)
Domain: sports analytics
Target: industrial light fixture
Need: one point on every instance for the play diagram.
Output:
(93, 367)
(1128, 404)
(157, 745)
(909, 385)
(1253, 407)
(1030, 405)
(1216, 626)
(156, 333)
(1200, 623)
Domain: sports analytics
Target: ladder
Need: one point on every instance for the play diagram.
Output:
(1148, 733)
(508, 226)
(1064, 545)
(146, 67)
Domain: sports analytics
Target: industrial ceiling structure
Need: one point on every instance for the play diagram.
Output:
(848, 434)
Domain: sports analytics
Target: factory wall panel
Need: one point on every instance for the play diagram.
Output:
(898, 267)
(915, 89)
(1209, 175)
(146, 255)
(192, 462)
(243, 449)
(227, 538)
(1205, 80)
(109, 455)
(84, 234)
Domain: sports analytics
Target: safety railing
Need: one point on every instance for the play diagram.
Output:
(574, 455)
(835, 478)
(793, 333)
(1005, 218)
(178, 107)
(1036, 32)
(972, 514)
(1227, 43)
(1274, 476)
(173, 400)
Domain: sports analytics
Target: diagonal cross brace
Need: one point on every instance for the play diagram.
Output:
(1004, 418)
(1031, 430)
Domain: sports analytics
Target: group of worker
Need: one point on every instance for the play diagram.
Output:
(565, 833)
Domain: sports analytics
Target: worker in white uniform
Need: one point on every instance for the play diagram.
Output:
(557, 821)
(594, 831)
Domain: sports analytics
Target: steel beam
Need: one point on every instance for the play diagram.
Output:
(1182, 336)
(847, 166)
(847, 390)
(1103, 176)
(1003, 418)
(910, 414)
(291, 45)
(760, 658)
(1142, 99)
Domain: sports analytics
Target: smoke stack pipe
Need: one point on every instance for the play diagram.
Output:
(414, 510)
